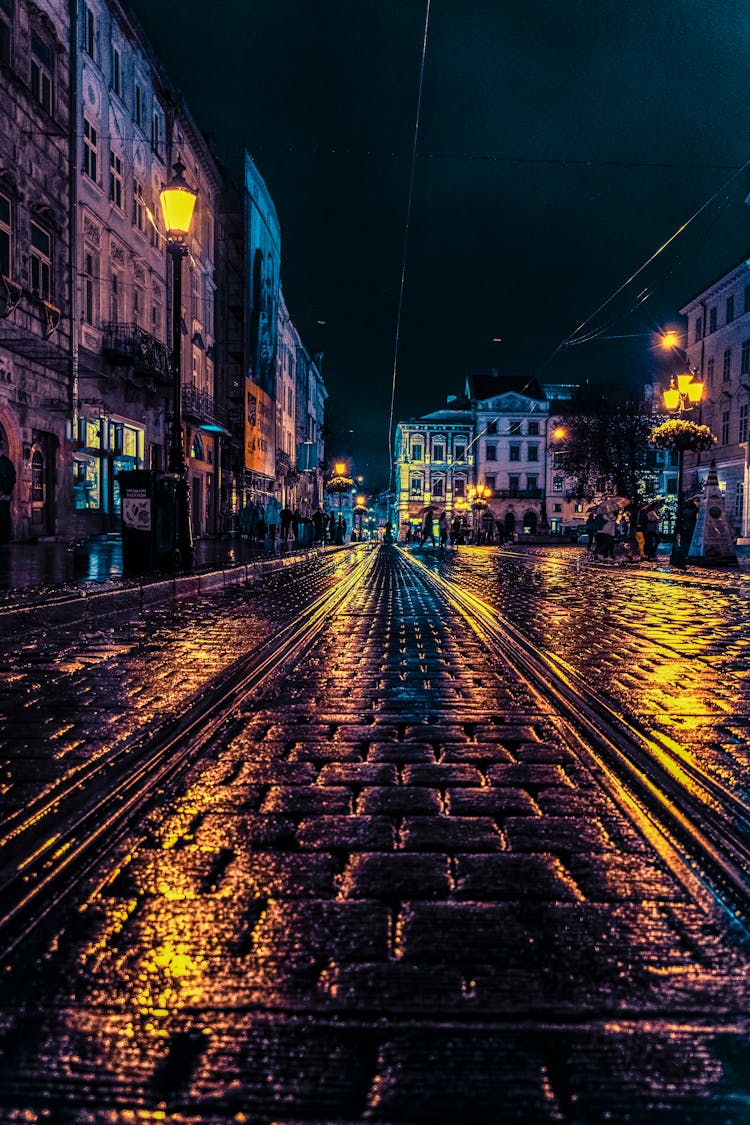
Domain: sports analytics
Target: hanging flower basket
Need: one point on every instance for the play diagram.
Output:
(680, 434)
(339, 484)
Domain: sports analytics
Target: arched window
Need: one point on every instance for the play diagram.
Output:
(197, 448)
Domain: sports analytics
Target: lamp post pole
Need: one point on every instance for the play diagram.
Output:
(178, 203)
(177, 464)
(683, 395)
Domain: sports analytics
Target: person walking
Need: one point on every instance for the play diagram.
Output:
(443, 529)
(428, 527)
(318, 522)
(7, 484)
(286, 522)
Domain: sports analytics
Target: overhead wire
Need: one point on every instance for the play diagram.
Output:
(402, 285)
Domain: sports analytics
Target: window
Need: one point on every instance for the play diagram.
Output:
(532, 482)
(138, 303)
(6, 25)
(730, 309)
(37, 477)
(89, 32)
(491, 427)
(115, 179)
(743, 422)
(557, 507)
(416, 453)
(42, 71)
(515, 451)
(139, 207)
(712, 319)
(156, 312)
(416, 486)
(157, 131)
(90, 142)
(725, 427)
(114, 298)
(490, 482)
(459, 487)
(437, 488)
(460, 453)
(514, 484)
(532, 453)
(90, 286)
(41, 262)
(515, 428)
(698, 328)
(534, 429)
(116, 72)
(671, 486)
(438, 452)
(727, 368)
(745, 359)
(490, 452)
(138, 105)
(673, 459)
(710, 372)
(557, 484)
(739, 499)
(5, 237)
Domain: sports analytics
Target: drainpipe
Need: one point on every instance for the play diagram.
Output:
(73, 226)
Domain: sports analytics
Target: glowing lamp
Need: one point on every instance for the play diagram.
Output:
(361, 500)
(339, 468)
(177, 204)
(672, 398)
(695, 392)
(684, 381)
(670, 340)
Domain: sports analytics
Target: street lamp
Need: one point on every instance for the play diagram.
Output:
(479, 494)
(178, 204)
(360, 509)
(683, 394)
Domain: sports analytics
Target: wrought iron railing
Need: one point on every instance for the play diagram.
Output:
(130, 344)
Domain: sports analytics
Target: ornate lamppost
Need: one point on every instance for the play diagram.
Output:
(339, 482)
(360, 509)
(479, 494)
(685, 393)
(178, 204)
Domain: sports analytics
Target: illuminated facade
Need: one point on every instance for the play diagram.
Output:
(718, 345)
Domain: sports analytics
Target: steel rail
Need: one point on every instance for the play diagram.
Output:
(90, 822)
(691, 808)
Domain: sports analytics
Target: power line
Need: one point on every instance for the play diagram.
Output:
(402, 285)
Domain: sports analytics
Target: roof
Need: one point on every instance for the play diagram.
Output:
(490, 386)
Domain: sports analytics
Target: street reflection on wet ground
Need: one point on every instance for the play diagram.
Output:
(393, 891)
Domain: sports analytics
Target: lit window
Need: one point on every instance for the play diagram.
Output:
(41, 262)
(416, 486)
(557, 484)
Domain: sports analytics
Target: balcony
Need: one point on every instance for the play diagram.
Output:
(128, 343)
(199, 406)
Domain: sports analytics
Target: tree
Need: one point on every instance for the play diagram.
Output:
(603, 446)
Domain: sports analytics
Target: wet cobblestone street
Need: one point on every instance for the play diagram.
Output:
(396, 886)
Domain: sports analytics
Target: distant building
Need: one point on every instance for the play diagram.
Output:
(718, 345)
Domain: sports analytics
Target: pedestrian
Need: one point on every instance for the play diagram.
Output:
(318, 522)
(7, 484)
(652, 533)
(456, 536)
(499, 532)
(273, 518)
(443, 529)
(296, 522)
(641, 528)
(286, 522)
(605, 538)
(340, 531)
(428, 527)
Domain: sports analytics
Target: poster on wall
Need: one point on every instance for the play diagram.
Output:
(260, 431)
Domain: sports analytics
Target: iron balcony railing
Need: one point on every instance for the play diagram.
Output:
(128, 343)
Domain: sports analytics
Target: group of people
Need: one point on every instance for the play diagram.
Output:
(271, 521)
(609, 531)
(452, 531)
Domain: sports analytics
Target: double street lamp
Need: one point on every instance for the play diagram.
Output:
(479, 494)
(178, 204)
(684, 394)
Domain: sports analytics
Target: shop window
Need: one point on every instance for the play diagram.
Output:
(37, 478)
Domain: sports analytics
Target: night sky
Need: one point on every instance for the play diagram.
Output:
(561, 143)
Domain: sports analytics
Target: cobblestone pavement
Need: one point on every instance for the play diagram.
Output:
(392, 893)
(671, 650)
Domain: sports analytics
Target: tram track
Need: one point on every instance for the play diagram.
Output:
(700, 819)
(52, 846)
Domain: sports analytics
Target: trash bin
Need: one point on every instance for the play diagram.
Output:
(148, 503)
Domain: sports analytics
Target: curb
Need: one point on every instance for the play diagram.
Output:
(90, 607)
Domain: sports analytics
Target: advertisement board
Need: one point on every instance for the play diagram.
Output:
(260, 430)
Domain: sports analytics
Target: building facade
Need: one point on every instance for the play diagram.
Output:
(718, 347)
(37, 355)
